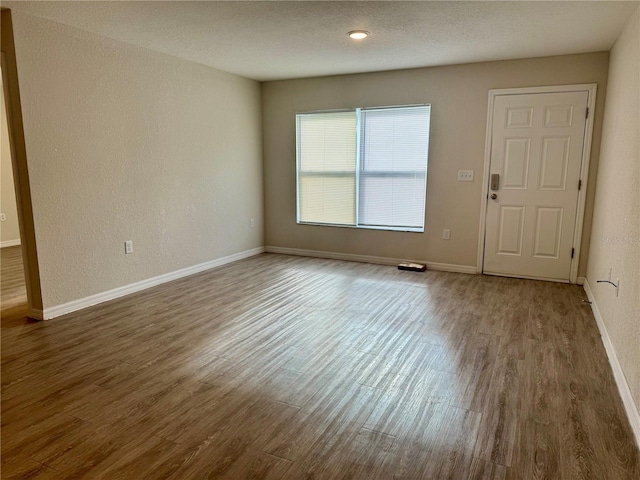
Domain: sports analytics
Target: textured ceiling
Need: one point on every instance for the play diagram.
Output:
(277, 40)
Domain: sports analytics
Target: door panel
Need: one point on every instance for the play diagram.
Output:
(558, 116)
(548, 232)
(510, 230)
(554, 163)
(519, 117)
(536, 148)
(516, 163)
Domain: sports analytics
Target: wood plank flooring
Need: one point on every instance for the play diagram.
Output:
(279, 367)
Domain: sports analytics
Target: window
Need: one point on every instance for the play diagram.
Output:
(363, 168)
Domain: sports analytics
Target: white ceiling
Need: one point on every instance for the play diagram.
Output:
(275, 40)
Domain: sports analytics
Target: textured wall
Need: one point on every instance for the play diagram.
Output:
(9, 229)
(459, 96)
(124, 143)
(615, 242)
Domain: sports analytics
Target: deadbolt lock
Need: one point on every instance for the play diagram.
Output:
(495, 181)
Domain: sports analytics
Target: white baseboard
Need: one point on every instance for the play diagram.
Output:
(10, 243)
(81, 303)
(580, 280)
(621, 381)
(450, 267)
(443, 267)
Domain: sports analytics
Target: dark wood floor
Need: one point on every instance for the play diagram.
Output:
(283, 367)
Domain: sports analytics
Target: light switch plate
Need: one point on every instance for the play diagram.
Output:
(465, 175)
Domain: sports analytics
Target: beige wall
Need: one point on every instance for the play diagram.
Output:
(615, 242)
(459, 96)
(9, 229)
(124, 143)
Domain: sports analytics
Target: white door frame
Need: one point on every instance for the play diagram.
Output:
(584, 168)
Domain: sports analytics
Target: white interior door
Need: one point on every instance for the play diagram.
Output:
(536, 150)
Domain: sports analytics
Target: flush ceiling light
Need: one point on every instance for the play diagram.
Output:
(358, 34)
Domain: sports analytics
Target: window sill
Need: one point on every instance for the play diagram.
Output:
(365, 227)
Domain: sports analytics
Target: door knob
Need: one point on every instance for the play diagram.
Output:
(493, 196)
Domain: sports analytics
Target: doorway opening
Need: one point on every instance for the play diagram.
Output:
(25, 256)
(13, 295)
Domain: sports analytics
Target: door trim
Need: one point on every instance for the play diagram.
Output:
(11, 90)
(591, 88)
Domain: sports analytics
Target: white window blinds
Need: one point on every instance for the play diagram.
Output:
(365, 167)
(393, 167)
(327, 168)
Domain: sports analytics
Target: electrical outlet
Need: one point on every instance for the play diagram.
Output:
(128, 246)
(252, 223)
(446, 234)
(3, 217)
(465, 175)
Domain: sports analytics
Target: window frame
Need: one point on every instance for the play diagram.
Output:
(359, 169)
